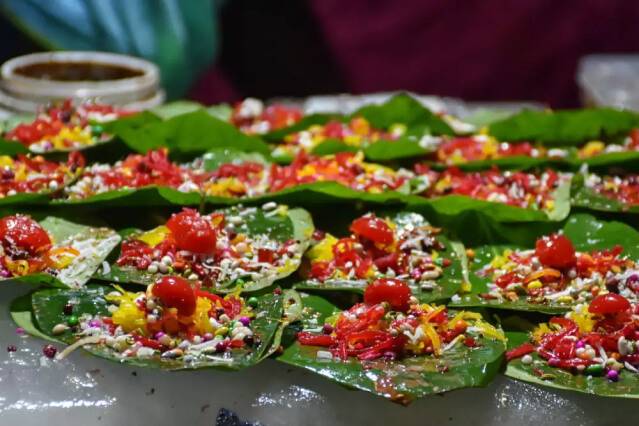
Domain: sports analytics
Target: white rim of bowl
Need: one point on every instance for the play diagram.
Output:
(25, 106)
(34, 87)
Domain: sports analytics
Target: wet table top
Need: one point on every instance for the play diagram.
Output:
(84, 390)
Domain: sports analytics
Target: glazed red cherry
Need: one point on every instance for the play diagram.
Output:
(391, 290)
(175, 292)
(24, 233)
(373, 228)
(192, 232)
(555, 251)
(609, 303)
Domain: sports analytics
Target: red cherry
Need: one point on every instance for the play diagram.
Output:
(24, 233)
(192, 232)
(609, 303)
(175, 292)
(555, 251)
(373, 228)
(391, 290)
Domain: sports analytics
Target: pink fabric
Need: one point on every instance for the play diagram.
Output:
(474, 49)
(214, 87)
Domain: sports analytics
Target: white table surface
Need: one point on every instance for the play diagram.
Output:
(84, 390)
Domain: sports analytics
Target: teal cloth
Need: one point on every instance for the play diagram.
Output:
(180, 36)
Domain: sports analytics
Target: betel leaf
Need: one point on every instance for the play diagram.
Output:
(146, 196)
(403, 109)
(21, 311)
(12, 148)
(482, 117)
(306, 122)
(303, 194)
(26, 199)
(14, 120)
(400, 109)
(315, 193)
(220, 111)
(213, 159)
(403, 380)
(95, 150)
(586, 233)
(292, 308)
(295, 224)
(448, 283)
(540, 373)
(383, 150)
(454, 205)
(406, 146)
(48, 311)
(627, 160)
(564, 127)
(173, 109)
(479, 285)
(588, 198)
(93, 244)
(517, 162)
(188, 135)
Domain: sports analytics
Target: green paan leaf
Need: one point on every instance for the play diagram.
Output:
(401, 381)
(628, 160)
(96, 150)
(188, 135)
(406, 110)
(518, 162)
(173, 109)
(48, 311)
(294, 224)
(306, 122)
(21, 311)
(540, 373)
(93, 244)
(314, 194)
(26, 199)
(448, 283)
(586, 233)
(14, 120)
(486, 116)
(145, 196)
(588, 198)
(213, 159)
(455, 205)
(568, 127)
(12, 148)
(400, 109)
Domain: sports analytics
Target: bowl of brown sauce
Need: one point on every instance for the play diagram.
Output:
(32, 80)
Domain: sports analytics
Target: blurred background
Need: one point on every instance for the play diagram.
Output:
(213, 50)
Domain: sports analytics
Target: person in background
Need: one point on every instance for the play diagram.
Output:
(217, 51)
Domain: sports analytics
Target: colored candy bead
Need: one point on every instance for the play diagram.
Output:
(49, 351)
(594, 370)
(612, 375)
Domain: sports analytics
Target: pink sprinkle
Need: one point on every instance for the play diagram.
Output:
(20, 331)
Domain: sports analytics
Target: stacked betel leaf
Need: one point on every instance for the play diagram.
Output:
(444, 251)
